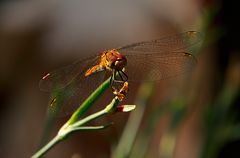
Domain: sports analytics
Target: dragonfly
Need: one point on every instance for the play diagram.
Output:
(144, 61)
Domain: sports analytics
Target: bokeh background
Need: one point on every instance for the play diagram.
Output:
(192, 116)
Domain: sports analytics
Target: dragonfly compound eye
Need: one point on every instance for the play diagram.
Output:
(119, 64)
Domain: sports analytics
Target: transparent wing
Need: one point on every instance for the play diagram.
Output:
(69, 87)
(62, 77)
(152, 60)
(67, 99)
(179, 42)
(155, 67)
(162, 58)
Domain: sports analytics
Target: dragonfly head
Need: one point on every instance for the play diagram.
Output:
(120, 63)
(115, 60)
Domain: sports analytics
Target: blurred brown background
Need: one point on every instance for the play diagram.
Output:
(40, 36)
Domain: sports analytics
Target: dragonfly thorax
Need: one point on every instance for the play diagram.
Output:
(110, 60)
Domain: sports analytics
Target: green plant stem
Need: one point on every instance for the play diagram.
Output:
(47, 147)
(89, 102)
(108, 109)
(82, 109)
(91, 128)
(67, 129)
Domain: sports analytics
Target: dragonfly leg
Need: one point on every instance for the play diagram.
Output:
(124, 74)
(119, 80)
(112, 80)
(120, 75)
(116, 83)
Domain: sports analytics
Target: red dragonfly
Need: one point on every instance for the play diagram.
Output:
(145, 61)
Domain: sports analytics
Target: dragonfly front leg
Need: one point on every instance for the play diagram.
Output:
(119, 87)
(120, 76)
(124, 74)
(112, 81)
(116, 83)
